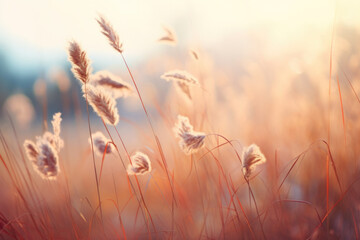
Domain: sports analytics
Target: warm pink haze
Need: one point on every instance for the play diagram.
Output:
(179, 119)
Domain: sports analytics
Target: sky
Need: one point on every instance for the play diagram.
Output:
(32, 32)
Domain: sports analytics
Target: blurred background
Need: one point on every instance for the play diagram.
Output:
(34, 35)
(281, 74)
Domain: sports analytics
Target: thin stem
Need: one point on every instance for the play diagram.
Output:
(93, 156)
(152, 129)
(137, 181)
(247, 181)
(124, 166)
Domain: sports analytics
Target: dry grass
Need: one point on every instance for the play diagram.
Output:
(203, 184)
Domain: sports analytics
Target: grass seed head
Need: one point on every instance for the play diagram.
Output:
(190, 140)
(140, 164)
(251, 157)
(103, 104)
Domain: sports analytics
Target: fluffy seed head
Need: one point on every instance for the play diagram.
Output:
(194, 54)
(184, 88)
(100, 142)
(81, 67)
(31, 151)
(56, 123)
(44, 153)
(53, 139)
(109, 32)
(251, 157)
(180, 76)
(103, 103)
(169, 37)
(47, 160)
(114, 84)
(190, 141)
(140, 164)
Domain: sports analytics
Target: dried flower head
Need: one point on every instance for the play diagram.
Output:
(100, 142)
(169, 37)
(116, 86)
(56, 123)
(20, 108)
(44, 153)
(31, 151)
(103, 104)
(140, 164)
(81, 67)
(53, 139)
(47, 160)
(180, 76)
(251, 157)
(194, 54)
(108, 30)
(190, 141)
(184, 88)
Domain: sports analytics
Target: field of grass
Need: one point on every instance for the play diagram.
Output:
(176, 159)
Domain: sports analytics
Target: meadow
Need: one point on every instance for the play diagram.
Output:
(178, 148)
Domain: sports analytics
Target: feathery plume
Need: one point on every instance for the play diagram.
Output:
(190, 141)
(102, 103)
(140, 164)
(56, 123)
(100, 143)
(251, 157)
(194, 54)
(44, 153)
(109, 81)
(47, 160)
(184, 88)
(54, 140)
(31, 151)
(169, 37)
(81, 67)
(180, 76)
(109, 32)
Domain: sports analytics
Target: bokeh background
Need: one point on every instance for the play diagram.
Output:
(34, 34)
(281, 74)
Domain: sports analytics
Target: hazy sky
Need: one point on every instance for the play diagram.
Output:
(45, 26)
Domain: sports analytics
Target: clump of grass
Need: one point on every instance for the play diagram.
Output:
(218, 206)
